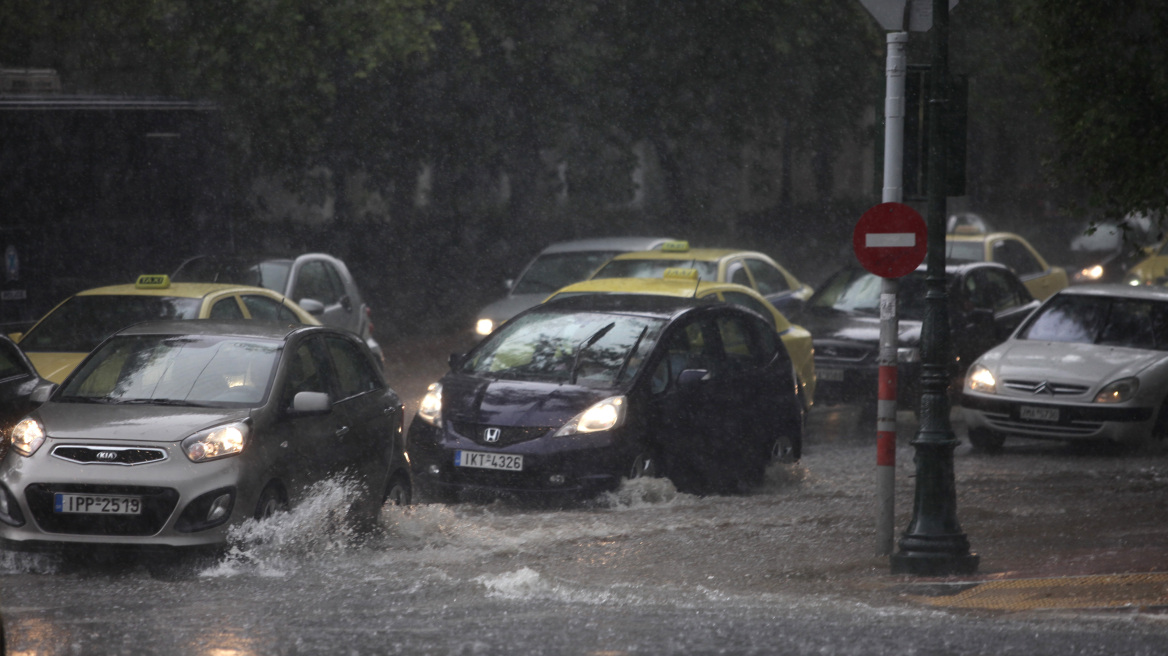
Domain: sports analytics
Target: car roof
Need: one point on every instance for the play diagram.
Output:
(983, 236)
(606, 244)
(1117, 290)
(235, 327)
(178, 289)
(669, 287)
(697, 254)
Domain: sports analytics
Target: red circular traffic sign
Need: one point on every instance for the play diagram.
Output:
(890, 240)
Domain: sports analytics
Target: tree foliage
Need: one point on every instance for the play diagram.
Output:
(1106, 70)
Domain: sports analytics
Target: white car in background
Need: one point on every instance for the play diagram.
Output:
(1091, 363)
(557, 266)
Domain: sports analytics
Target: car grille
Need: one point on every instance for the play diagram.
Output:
(1044, 387)
(837, 352)
(157, 505)
(108, 455)
(507, 434)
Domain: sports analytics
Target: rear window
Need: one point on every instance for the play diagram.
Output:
(79, 324)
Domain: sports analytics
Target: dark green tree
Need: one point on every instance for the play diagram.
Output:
(1106, 70)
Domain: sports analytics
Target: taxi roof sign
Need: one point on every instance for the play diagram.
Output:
(680, 273)
(675, 246)
(156, 281)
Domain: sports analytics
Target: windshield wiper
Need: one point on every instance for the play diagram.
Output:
(85, 399)
(158, 402)
(585, 344)
(629, 356)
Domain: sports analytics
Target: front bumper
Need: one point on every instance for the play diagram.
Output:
(572, 465)
(176, 495)
(1075, 421)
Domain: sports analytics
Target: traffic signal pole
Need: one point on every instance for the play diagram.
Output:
(886, 389)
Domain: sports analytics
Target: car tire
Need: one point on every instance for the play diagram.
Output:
(643, 465)
(398, 491)
(272, 501)
(986, 440)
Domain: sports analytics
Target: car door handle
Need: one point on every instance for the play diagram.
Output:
(342, 431)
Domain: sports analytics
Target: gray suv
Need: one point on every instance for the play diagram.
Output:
(318, 282)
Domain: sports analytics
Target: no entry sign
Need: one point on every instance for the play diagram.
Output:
(890, 240)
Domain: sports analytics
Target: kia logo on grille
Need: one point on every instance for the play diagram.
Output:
(107, 455)
(491, 435)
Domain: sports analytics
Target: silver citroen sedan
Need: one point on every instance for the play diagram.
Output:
(171, 432)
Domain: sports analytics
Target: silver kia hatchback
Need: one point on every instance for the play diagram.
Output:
(171, 432)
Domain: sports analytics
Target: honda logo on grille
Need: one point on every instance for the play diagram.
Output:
(107, 455)
(491, 435)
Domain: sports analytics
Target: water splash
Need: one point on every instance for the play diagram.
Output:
(271, 547)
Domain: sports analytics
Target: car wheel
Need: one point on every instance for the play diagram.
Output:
(643, 465)
(984, 439)
(399, 492)
(271, 502)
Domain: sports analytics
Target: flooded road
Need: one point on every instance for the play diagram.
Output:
(789, 568)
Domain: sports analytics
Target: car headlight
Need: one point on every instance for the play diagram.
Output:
(907, 354)
(605, 415)
(215, 443)
(1089, 274)
(430, 409)
(484, 326)
(28, 436)
(981, 380)
(1134, 281)
(1118, 391)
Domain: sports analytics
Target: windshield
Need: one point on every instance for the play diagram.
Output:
(655, 268)
(592, 349)
(79, 324)
(555, 270)
(211, 371)
(1134, 323)
(964, 251)
(856, 290)
(272, 274)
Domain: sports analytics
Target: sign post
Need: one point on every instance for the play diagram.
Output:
(890, 240)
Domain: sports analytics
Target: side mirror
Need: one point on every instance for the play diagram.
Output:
(691, 377)
(41, 393)
(311, 403)
(312, 306)
(15, 336)
(455, 360)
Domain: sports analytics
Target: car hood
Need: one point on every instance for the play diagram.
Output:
(130, 423)
(515, 403)
(55, 366)
(834, 325)
(509, 306)
(1083, 364)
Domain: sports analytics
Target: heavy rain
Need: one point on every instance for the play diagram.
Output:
(432, 149)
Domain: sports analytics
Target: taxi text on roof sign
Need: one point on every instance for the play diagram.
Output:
(675, 246)
(159, 281)
(680, 273)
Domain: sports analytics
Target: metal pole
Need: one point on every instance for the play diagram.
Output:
(933, 544)
(886, 391)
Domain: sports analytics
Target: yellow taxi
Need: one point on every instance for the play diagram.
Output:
(751, 269)
(1040, 278)
(684, 283)
(1152, 269)
(62, 338)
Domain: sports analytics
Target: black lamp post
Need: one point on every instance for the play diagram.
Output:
(933, 544)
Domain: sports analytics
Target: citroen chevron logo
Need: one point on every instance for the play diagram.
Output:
(1043, 388)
